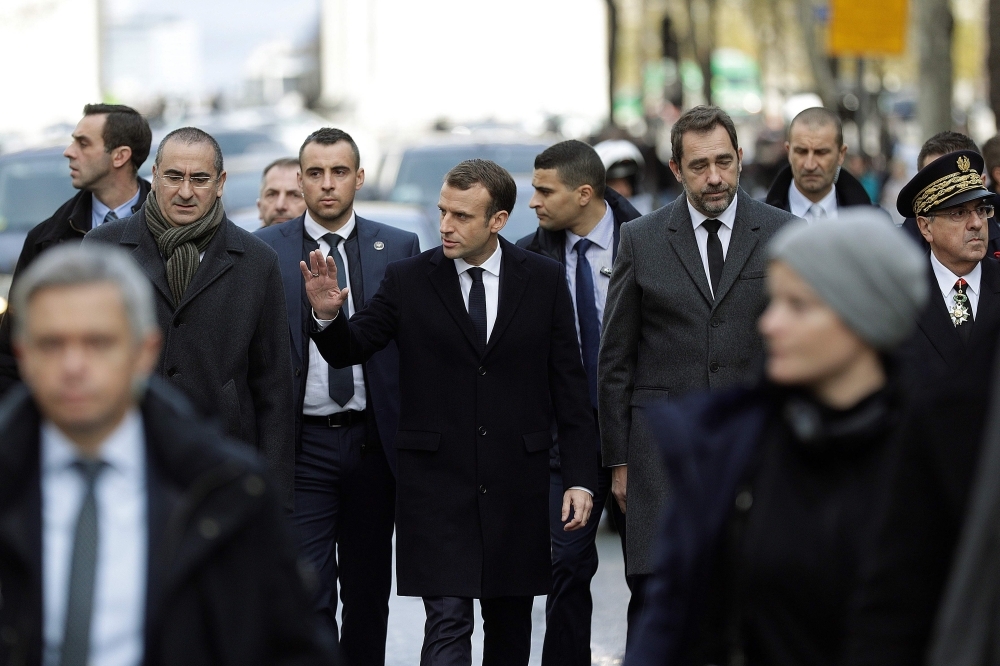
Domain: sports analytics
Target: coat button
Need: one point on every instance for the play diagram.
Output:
(482, 430)
(298, 372)
(744, 500)
(171, 372)
(482, 489)
(713, 366)
(715, 322)
(208, 528)
(177, 323)
(482, 370)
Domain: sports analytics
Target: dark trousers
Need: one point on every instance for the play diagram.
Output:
(448, 631)
(636, 582)
(569, 607)
(344, 517)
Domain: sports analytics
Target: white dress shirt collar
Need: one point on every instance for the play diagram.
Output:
(491, 265)
(727, 217)
(120, 450)
(799, 204)
(99, 210)
(603, 235)
(946, 279)
(316, 231)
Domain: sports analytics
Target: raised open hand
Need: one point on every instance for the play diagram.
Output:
(324, 295)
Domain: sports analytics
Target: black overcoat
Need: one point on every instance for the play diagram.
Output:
(474, 427)
(226, 344)
(68, 224)
(223, 585)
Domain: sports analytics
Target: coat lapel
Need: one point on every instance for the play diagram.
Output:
(217, 260)
(289, 248)
(988, 310)
(444, 278)
(681, 238)
(741, 246)
(513, 280)
(147, 254)
(935, 323)
(373, 261)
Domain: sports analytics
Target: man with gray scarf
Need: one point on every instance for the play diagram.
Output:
(217, 291)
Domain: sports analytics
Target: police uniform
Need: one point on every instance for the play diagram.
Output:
(962, 319)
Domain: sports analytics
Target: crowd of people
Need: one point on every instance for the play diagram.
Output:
(213, 438)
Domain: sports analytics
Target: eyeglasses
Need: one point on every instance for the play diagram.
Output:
(961, 215)
(197, 182)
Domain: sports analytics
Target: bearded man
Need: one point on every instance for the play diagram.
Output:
(218, 292)
(686, 292)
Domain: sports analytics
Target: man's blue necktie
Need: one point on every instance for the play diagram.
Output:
(341, 379)
(110, 217)
(586, 313)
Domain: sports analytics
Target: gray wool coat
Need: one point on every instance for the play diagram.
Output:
(226, 344)
(664, 336)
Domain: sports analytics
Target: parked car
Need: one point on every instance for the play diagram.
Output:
(33, 184)
(414, 173)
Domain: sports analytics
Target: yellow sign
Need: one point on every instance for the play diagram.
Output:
(867, 27)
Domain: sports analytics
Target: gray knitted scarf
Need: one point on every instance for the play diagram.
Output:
(181, 245)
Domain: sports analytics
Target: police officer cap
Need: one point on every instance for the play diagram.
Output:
(948, 181)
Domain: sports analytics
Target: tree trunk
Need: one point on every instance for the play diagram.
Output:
(993, 59)
(826, 85)
(612, 56)
(934, 101)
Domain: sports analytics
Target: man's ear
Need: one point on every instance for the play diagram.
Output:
(924, 225)
(585, 194)
(121, 156)
(676, 169)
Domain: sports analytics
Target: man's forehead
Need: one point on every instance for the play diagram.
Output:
(182, 156)
(327, 155)
(812, 133)
(80, 303)
(547, 177)
(714, 142)
(91, 125)
(471, 200)
(282, 175)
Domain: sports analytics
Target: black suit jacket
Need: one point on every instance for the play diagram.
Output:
(68, 224)
(936, 349)
(379, 244)
(226, 344)
(474, 428)
(222, 581)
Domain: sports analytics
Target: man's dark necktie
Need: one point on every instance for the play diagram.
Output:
(716, 259)
(83, 568)
(110, 217)
(961, 298)
(477, 305)
(341, 379)
(586, 314)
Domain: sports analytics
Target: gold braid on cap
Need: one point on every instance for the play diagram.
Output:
(943, 189)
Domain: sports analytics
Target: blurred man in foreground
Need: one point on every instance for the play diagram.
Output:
(130, 531)
(218, 300)
(814, 186)
(109, 145)
(280, 193)
(579, 225)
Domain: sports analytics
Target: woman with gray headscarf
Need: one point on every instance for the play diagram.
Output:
(773, 487)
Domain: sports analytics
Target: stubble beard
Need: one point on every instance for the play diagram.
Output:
(712, 208)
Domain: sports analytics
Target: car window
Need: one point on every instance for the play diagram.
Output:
(31, 189)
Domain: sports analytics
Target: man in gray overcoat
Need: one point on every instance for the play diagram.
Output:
(219, 300)
(685, 294)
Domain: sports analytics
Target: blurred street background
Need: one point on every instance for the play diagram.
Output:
(424, 85)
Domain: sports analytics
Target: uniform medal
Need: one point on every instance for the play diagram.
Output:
(960, 311)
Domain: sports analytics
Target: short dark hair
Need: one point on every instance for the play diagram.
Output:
(497, 181)
(282, 162)
(576, 164)
(191, 135)
(818, 116)
(700, 119)
(123, 126)
(327, 136)
(991, 154)
(943, 143)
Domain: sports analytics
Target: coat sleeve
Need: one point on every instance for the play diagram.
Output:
(570, 396)
(345, 343)
(270, 381)
(619, 354)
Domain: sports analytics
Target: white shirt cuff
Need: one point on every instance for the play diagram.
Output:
(589, 492)
(321, 324)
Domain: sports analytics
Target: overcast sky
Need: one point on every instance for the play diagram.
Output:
(229, 29)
